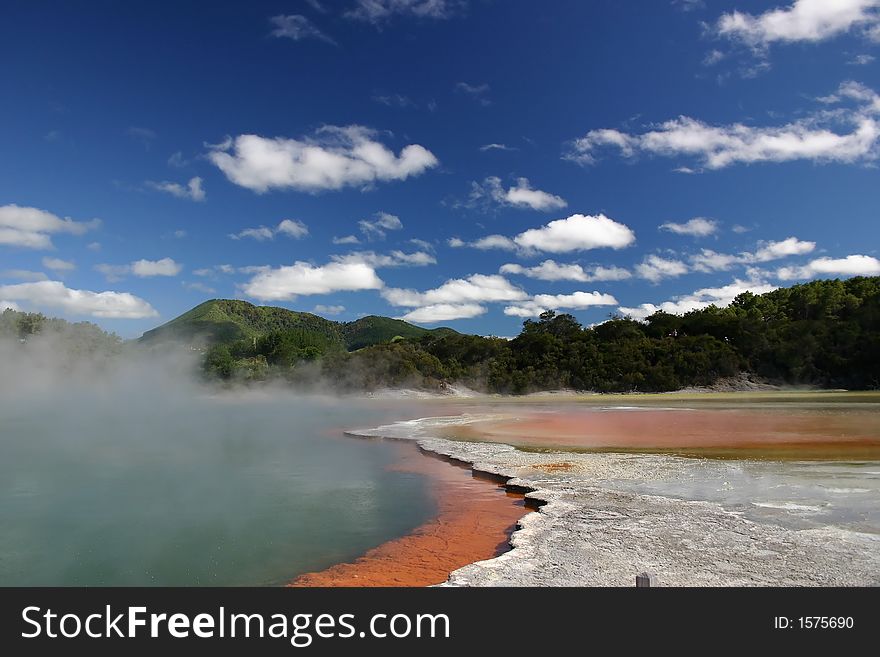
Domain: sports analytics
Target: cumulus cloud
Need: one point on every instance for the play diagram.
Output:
(703, 298)
(32, 228)
(297, 27)
(376, 228)
(655, 269)
(55, 295)
(335, 157)
(378, 12)
(852, 265)
(321, 309)
(576, 233)
(847, 135)
(696, 227)
(803, 20)
(290, 227)
(58, 265)
(150, 268)
(788, 247)
(23, 275)
(550, 270)
(347, 239)
(302, 278)
(488, 242)
(575, 301)
(477, 288)
(192, 191)
(456, 242)
(198, 286)
(261, 234)
(708, 260)
(443, 312)
(394, 259)
(521, 195)
(141, 269)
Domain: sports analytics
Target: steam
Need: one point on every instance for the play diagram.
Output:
(119, 465)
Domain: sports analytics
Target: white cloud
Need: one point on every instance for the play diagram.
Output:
(192, 191)
(491, 242)
(689, 5)
(497, 147)
(55, 295)
(8, 305)
(713, 57)
(422, 244)
(654, 268)
(521, 195)
(32, 228)
(708, 260)
(58, 265)
(813, 138)
(24, 239)
(479, 92)
(394, 100)
(574, 301)
(477, 288)
(381, 11)
(383, 221)
(861, 60)
(141, 269)
(443, 312)
(297, 27)
(292, 228)
(576, 233)
(853, 265)
(347, 239)
(550, 270)
(289, 227)
(24, 275)
(149, 268)
(321, 309)
(217, 269)
(718, 296)
(197, 286)
(803, 20)
(696, 227)
(334, 158)
(456, 242)
(394, 259)
(261, 234)
(788, 247)
(302, 278)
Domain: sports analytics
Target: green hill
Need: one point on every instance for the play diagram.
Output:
(228, 320)
(370, 330)
(225, 321)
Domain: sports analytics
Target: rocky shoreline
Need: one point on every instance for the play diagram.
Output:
(588, 533)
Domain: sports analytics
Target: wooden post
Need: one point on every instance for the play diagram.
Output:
(645, 580)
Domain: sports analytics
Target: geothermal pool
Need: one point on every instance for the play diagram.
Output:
(107, 488)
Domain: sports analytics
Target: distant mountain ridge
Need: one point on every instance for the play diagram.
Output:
(224, 321)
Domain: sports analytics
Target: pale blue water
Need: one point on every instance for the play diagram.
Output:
(185, 489)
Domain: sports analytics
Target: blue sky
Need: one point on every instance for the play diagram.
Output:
(467, 163)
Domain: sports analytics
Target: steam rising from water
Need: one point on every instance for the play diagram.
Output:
(127, 470)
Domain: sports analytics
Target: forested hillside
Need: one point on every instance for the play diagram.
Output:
(823, 333)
